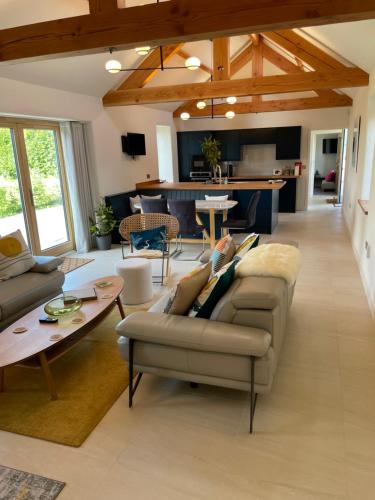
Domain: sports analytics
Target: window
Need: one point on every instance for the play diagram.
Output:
(165, 159)
(33, 190)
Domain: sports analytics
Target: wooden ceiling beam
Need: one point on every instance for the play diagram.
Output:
(185, 55)
(221, 58)
(138, 79)
(278, 84)
(304, 50)
(271, 105)
(257, 65)
(289, 67)
(237, 63)
(254, 39)
(241, 59)
(171, 22)
(100, 6)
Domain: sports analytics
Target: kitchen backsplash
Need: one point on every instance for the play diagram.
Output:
(260, 159)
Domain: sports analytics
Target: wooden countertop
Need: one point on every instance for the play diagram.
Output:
(262, 185)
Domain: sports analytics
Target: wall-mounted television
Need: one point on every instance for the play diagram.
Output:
(329, 146)
(133, 144)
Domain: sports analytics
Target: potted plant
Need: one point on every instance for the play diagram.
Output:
(211, 150)
(103, 226)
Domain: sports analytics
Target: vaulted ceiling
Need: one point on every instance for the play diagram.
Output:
(350, 44)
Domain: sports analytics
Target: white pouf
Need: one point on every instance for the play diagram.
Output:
(137, 274)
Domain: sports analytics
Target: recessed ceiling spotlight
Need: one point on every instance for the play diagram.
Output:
(201, 104)
(231, 100)
(184, 116)
(192, 63)
(230, 115)
(113, 66)
(142, 51)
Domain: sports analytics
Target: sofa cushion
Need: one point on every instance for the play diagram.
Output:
(251, 241)
(28, 288)
(44, 264)
(150, 239)
(187, 290)
(133, 201)
(15, 256)
(213, 291)
(223, 253)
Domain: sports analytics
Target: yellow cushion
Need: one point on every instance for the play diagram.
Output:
(15, 256)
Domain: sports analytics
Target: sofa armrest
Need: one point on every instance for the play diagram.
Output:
(44, 264)
(195, 333)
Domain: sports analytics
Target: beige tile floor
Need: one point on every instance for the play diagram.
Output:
(314, 434)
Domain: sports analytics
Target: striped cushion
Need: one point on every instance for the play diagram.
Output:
(15, 256)
(223, 253)
(248, 243)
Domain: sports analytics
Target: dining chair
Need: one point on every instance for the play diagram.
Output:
(247, 223)
(185, 213)
(154, 206)
(143, 222)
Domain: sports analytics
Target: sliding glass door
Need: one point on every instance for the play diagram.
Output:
(33, 191)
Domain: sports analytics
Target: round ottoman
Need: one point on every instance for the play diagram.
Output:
(137, 274)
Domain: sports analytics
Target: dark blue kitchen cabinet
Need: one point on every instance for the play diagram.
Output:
(230, 145)
(288, 143)
(189, 145)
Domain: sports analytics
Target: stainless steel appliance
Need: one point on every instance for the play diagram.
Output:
(200, 171)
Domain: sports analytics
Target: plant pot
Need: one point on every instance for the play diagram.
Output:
(104, 242)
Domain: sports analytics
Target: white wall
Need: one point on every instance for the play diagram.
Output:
(319, 119)
(324, 162)
(116, 171)
(361, 184)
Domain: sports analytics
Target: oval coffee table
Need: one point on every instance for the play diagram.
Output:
(37, 347)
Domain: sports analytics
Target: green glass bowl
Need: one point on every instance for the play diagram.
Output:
(59, 307)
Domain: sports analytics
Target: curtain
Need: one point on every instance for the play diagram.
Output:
(81, 181)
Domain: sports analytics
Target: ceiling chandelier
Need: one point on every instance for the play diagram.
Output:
(230, 114)
(114, 66)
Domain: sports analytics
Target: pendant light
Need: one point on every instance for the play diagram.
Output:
(230, 115)
(113, 66)
(201, 104)
(142, 51)
(192, 63)
(231, 100)
(184, 116)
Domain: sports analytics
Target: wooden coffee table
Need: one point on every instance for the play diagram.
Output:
(37, 348)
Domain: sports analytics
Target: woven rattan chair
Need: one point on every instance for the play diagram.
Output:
(142, 222)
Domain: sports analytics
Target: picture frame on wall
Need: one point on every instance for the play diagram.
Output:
(355, 143)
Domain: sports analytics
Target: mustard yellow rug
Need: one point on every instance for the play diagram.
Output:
(89, 379)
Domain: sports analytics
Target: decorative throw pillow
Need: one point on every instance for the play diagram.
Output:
(156, 197)
(331, 176)
(222, 253)
(187, 290)
(150, 239)
(210, 295)
(248, 243)
(15, 256)
(133, 201)
(224, 197)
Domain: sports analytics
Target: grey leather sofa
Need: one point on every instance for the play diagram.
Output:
(23, 293)
(242, 338)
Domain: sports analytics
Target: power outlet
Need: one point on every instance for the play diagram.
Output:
(148, 176)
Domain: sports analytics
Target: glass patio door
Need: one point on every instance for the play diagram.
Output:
(33, 190)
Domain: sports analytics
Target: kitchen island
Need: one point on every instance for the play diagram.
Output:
(239, 191)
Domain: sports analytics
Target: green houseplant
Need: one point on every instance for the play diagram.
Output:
(211, 150)
(103, 226)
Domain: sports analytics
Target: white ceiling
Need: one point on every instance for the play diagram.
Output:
(86, 74)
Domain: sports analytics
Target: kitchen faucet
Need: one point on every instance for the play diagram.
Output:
(217, 168)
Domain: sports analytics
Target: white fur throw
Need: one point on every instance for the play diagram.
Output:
(276, 261)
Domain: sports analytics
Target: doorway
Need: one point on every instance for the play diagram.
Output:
(327, 163)
(33, 190)
(165, 155)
